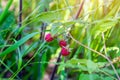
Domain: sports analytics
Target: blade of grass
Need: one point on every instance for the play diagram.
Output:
(30, 48)
(19, 56)
(8, 68)
(17, 44)
(37, 52)
(4, 13)
(42, 35)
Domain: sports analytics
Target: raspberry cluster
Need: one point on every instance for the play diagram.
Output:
(62, 43)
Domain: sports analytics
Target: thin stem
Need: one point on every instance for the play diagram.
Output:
(86, 46)
(97, 53)
(42, 34)
(104, 47)
(20, 13)
(80, 9)
(8, 68)
(42, 31)
(115, 60)
(55, 68)
(106, 55)
(20, 18)
(107, 74)
(36, 52)
(113, 68)
(19, 25)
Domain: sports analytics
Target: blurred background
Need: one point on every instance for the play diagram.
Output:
(94, 24)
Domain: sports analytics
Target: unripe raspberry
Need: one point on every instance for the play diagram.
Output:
(49, 37)
(62, 43)
(65, 51)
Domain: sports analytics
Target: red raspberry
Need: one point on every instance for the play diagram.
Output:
(49, 37)
(64, 51)
(62, 43)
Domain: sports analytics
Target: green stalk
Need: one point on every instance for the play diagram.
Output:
(2, 16)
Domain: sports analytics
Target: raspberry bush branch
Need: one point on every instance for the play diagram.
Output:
(115, 60)
(65, 50)
(111, 62)
(97, 53)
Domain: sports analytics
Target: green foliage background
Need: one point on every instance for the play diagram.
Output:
(97, 30)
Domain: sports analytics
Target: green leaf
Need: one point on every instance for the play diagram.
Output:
(76, 63)
(108, 78)
(113, 49)
(19, 57)
(8, 21)
(89, 77)
(17, 44)
(1, 40)
(58, 27)
(2, 16)
(50, 16)
(91, 66)
(102, 26)
(30, 48)
(44, 5)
